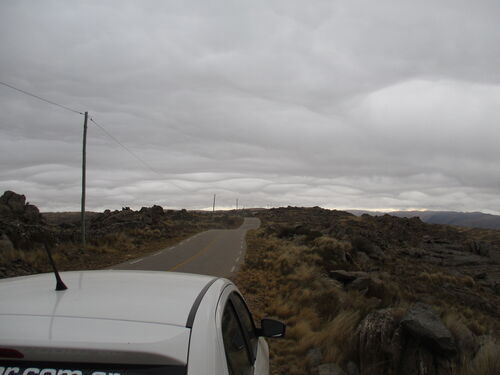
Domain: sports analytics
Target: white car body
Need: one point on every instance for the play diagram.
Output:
(123, 323)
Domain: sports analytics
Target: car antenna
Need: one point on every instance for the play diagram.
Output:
(60, 284)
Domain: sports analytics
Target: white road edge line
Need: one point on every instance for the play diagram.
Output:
(237, 259)
(158, 253)
(135, 261)
(232, 269)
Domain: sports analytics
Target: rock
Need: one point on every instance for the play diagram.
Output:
(314, 357)
(352, 368)
(377, 253)
(330, 369)
(32, 214)
(5, 243)
(361, 283)
(466, 341)
(478, 247)
(371, 286)
(480, 276)
(15, 202)
(417, 360)
(14, 207)
(361, 257)
(422, 323)
(346, 276)
(380, 343)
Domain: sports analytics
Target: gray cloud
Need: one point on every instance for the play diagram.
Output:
(347, 104)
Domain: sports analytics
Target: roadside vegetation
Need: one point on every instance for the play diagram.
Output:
(373, 295)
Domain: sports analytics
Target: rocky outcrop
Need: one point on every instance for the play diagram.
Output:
(422, 324)
(417, 344)
(14, 207)
(21, 225)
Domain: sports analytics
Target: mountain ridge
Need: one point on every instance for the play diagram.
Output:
(465, 219)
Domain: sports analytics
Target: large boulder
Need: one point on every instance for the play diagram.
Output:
(15, 202)
(417, 344)
(423, 324)
(31, 214)
(13, 206)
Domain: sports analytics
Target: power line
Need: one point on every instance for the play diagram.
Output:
(42, 99)
(91, 119)
(124, 147)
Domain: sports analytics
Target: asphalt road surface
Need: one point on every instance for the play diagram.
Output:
(215, 252)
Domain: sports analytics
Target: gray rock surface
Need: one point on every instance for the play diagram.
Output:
(314, 357)
(352, 368)
(422, 323)
(330, 369)
(361, 257)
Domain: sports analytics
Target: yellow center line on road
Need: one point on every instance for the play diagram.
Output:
(191, 258)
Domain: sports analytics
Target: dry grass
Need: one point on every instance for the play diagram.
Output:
(335, 337)
(485, 362)
(293, 287)
(437, 278)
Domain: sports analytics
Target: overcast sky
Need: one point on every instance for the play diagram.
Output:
(340, 104)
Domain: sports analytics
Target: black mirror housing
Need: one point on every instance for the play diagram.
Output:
(271, 328)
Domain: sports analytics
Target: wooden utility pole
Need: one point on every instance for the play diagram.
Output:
(236, 204)
(213, 209)
(84, 162)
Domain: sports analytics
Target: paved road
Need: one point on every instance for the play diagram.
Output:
(215, 252)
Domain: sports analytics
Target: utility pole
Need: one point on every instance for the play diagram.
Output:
(84, 162)
(236, 204)
(213, 209)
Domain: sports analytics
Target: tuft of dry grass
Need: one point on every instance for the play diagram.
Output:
(317, 310)
(438, 278)
(485, 362)
(334, 337)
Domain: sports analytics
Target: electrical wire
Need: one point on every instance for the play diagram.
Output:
(91, 119)
(40, 98)
(125, 147)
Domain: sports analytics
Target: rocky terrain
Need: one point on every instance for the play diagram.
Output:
(375, 295)
(360, 295)
(112, 236)
(465, 219)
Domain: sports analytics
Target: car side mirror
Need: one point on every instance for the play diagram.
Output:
(271, 328)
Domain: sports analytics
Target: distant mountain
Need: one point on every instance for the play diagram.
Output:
(464, 219)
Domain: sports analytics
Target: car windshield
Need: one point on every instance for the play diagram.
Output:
(45, 368)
